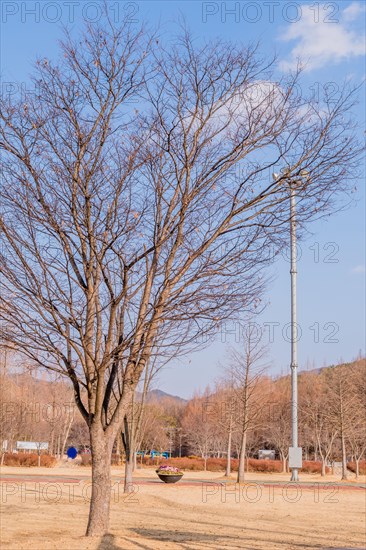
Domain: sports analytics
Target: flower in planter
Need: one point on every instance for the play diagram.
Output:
(169, 470)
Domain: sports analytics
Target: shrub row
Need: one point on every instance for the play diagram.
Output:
(256, 465)
(219, 464)
(86, 459)
(361, 468)
(184, 463)
(312, 467)
(29, 459)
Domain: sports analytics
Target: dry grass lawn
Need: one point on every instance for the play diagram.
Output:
(187, 517)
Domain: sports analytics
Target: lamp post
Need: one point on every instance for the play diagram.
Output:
(180, 435)
(295, 452)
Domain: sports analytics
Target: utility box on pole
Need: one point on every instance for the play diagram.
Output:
(295, 457)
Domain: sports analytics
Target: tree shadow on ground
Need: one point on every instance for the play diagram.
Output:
(188, 540)
(108, 543)
(185, 539)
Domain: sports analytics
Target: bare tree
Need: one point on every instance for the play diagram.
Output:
(227, 418)
(222, 407)
(325, 433)
(133, 422)
(246, 370)
(199, 425)
(280, 432)
(316, 416)
(357, 442)
(357, 430)
(341, 405)
(152, 433)
(121, 226)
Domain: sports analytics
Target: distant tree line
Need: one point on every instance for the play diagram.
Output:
(236, 418)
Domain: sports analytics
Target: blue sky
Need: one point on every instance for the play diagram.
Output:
(329, 38)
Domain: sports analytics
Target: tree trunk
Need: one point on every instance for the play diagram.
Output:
(344, 457)
(241, 467)
(58, 452)
(323, 467)
(127, 488)
(101, 449)
(228, 459)
(118, 450)
(284, 465)
(52, 442)
(128, 444)
(357, 467)
(66, 436)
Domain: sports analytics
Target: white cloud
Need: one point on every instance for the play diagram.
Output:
(351, 12)
(321, 43)
(359, 269)
(261, 101)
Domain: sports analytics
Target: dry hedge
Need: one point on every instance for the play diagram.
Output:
(29, 460)
(361, 468)
(219, 464)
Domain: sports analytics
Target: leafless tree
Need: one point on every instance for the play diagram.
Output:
(280, 431)
(315, 416)
(357, 442)
(226, 417)
(132, 425)
(246, 370)
(200, 427)
(121, 225)
(357, 430)
(341, 405)
(152, 433)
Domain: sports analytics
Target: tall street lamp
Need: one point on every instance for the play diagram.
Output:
(295, 452)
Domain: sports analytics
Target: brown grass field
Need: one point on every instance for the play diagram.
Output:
(47, 509)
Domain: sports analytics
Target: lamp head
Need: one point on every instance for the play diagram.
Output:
(305, 174)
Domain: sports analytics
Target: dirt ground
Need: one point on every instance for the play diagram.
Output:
(46, 509)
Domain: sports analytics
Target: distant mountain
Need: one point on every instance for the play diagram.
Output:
(24, 379)
(159, 395)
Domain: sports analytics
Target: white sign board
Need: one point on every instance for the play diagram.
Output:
(31, 445)
(269, 454)
(295, 457)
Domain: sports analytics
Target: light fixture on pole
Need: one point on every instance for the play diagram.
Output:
(295, 452)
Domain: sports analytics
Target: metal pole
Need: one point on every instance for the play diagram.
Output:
(293, 271)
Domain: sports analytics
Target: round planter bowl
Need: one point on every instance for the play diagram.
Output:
(168, 478)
